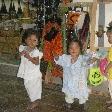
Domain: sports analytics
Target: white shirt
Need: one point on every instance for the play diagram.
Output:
(27, 69)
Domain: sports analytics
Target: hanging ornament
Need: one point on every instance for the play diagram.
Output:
(95, 77)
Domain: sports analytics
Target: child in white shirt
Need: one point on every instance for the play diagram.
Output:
(29, 68)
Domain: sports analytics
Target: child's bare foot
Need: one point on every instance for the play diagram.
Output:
(33, 105)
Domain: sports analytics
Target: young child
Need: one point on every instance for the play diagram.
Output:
(29, 68)
(109, 66)
(74, 74)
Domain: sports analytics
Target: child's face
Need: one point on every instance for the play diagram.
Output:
(32, 41)
(74, 49)
(109, 35)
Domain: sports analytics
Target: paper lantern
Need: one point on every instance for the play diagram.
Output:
(95, 77)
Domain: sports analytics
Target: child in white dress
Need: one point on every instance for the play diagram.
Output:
(74, 74)
(29, 68)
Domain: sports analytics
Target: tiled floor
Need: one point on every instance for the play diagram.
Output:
(13, 98)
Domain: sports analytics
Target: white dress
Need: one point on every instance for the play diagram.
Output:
(31, 74)
(74, 77)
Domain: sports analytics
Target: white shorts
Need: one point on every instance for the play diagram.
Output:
(34, 88)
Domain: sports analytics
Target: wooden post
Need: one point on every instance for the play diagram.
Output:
(93, 24)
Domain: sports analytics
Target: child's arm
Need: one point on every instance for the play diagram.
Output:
(93, 60)
(22, 53)
(34, 60)
(58, 60)
(91, 57)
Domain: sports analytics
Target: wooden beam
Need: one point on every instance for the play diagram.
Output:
(93, 24)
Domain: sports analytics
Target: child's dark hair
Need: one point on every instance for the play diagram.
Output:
(27, 33)
(76, 41)
(109, 28)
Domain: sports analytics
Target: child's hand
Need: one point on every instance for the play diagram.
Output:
(93, 60)
(23, 53)
(56, 56)
(26, 55)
